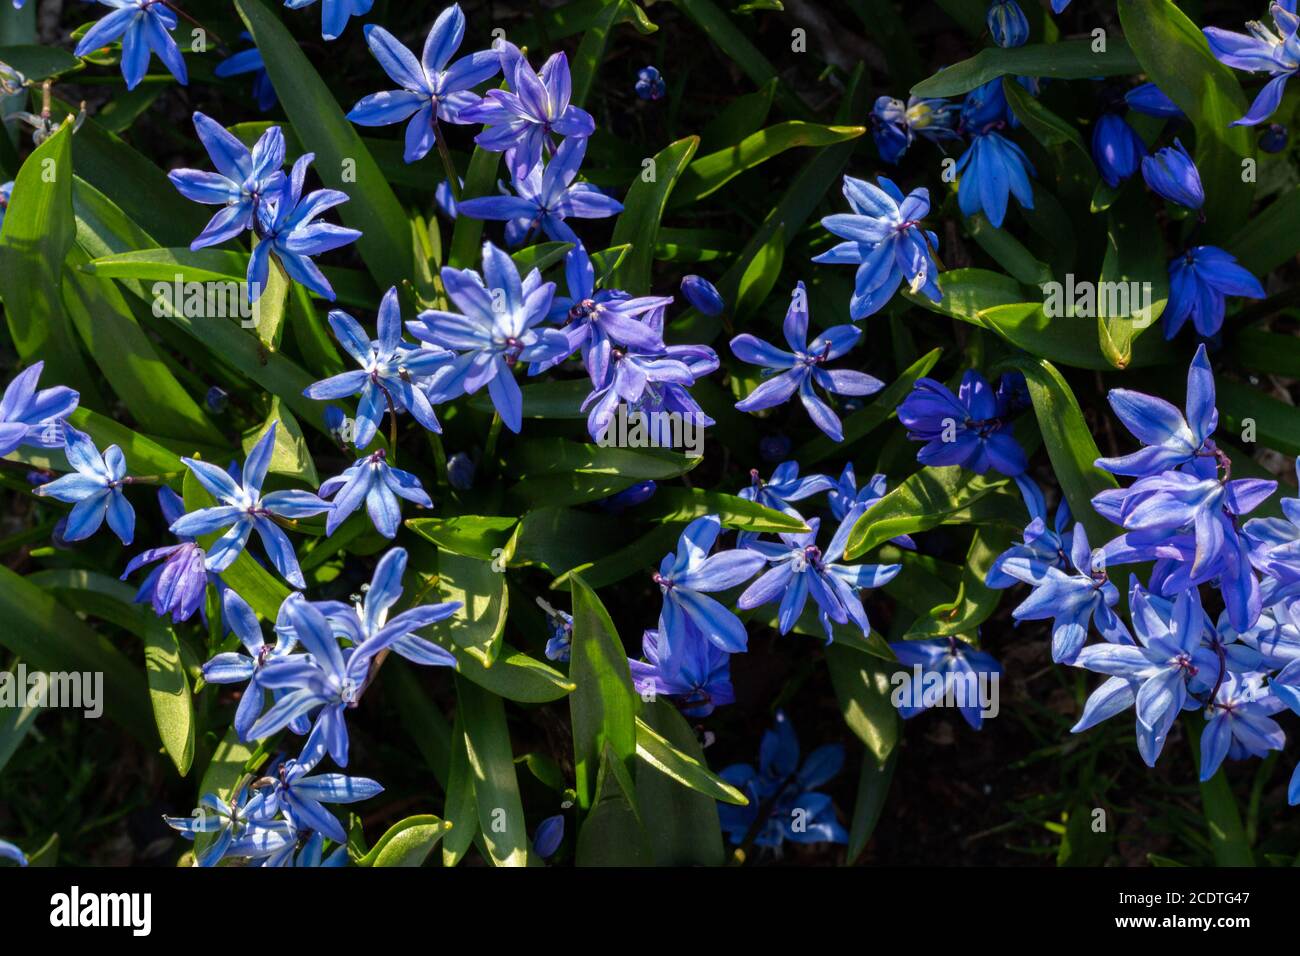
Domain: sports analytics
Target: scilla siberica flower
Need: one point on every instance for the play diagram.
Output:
(699, 676)
(957, 668)
(783, 487)
(10, 852)
(1275, 542)
(250, 61)
(1199, 281)
(648, 382)
(1273, 139)
(232, 823)
(144, 27)
(494, 331)
(844, 494)
(301, 796)
(895, 124)
(689, 615)
(33, 417)
(800, 569)
(1149, 99)
(372, 481)
(650, 84)
(1263, 51)
(393, 372)
(802, 367)
(366, 620)
(992, 169)
(703, 295)
(94, 489)
(1117, 149)
(430, 90)
(178, 586)
(242, 508)
(287, 228)
(1239, 722)
(971, 428)
(232, 667)
(548, 836)
(885, 240)
(785, 790)
(594, 320)
(1173, 174)
(243, 180)
(1049, 546)
(334, 14)
(546, 197)
(522, 121)
(1006, 23)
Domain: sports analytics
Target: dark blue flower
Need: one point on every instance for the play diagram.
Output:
(430, 90)
(649, 382)
(1149, 99)
(1007, 23)
(992, 169)
(783, 487)
(32, 417)
(250, 61)
(1117, 149)
(6, 193)
(895, 124)
(1239, 722)
(94, 489)
(650, 84)
(985, 109)
(971, 429)
(10, 852)
(144, 27)
(334, 17)
(301, 796)
(1263, 51)
(956, 669)
(460, 471)
(1199, 281)
(217, 400)
(372, 481)
(549, 836)
(885, 240)
(178, 586)
(238, 827)
(703, 295)
(1173, 174)
(698, 675)
(1273, 139)
(638, 494)
(1048, 546)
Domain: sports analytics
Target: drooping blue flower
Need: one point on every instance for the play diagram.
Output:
(10, 852)
(698, 675)
(460, 471)
(1149, 99)
(546, 197)
(301, 796)
(955, 671)
(32, 417)
(430, 89)
(243, 181)
(560, 645)
(494, 330)
(844, 494)
(638, 494)
(250, 61)
(144, 27)
(287, 228)
(799, 569)
(650, 84)
(217, 400)
(366, 621)
(1007, 23)
(522, 121)
(971, 428)
(1117, 149)
(799, 369)
(689, 615)
(372, 481)
(1239, 723)
(785, 790)
(393, 372)
(985, 109)
(232, 667)
(1262, 51)
(1156, 673)
(1170, 440)
(595, 320)
(895, 124)
(548, 836)
(885, 240)
(783, 487)
(1173, 174)
(334, 17)
(1273, 139)
(1199, 280)
(703, 295)
(648, 382)
(178, 586)
(1049, 546)
(992, 169)
(94, 489)
(242, 508)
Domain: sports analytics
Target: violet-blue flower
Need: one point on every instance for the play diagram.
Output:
(895, 124)
(971, 428)
(1239, 723)
(1262, 51)
(232, 667)
(94, 489)
(37, 418)
(1149, 99)
(1117, 149)
(1007, 23)
(953, 670)
(845, 493)
(250, 61)
(1172, 173)
(10, 852)
(650, 84)
(698, 676)
(176, 587)
(144, 27)
(783, 487)
(703, 295)
(301, 796)
(372, 481)
(1199, 281)
(992, 169)
(334, 15)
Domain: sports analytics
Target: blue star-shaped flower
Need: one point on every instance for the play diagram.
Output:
(94, 490)
(144, 27)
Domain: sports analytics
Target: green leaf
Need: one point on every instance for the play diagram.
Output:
(289, 454)
(407, 843)
(473, 536)
(643, 208)
(169, 691)
(873, 788)
(550, 456)
(1275, 422)
(460, 807)
(342, 160)
(478, 625)
(39, 62)
(612, 834)
(586, 62)
(689, 771)
(480, 180)
(1270, 238)
(1175, 55)
(710, 173)
(491, 762)
(687, 504)
(741, 117)
(1066, 60)
(974, 602)
(513, 675)
(1044, 125)
(681, 822)
(1027, 325)
(760, 275)
(604, 706)
(1134, 273)
(862, 687)
(923, 501)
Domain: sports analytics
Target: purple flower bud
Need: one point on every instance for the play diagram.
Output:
(460, 471)
(1007, 23)
(775, 448)
(650, 84)
(703, 295)
(1274, 138)
(549, 836)
(1172, 173)
(218, 399)
(1117, 149)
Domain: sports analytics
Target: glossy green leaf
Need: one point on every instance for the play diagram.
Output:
(862, 687)
(922, 501)
(1066, 60)
(656, 751)
(612, 833)
(643, 208)
(491, 762)
(407, 843)
(681, 822)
